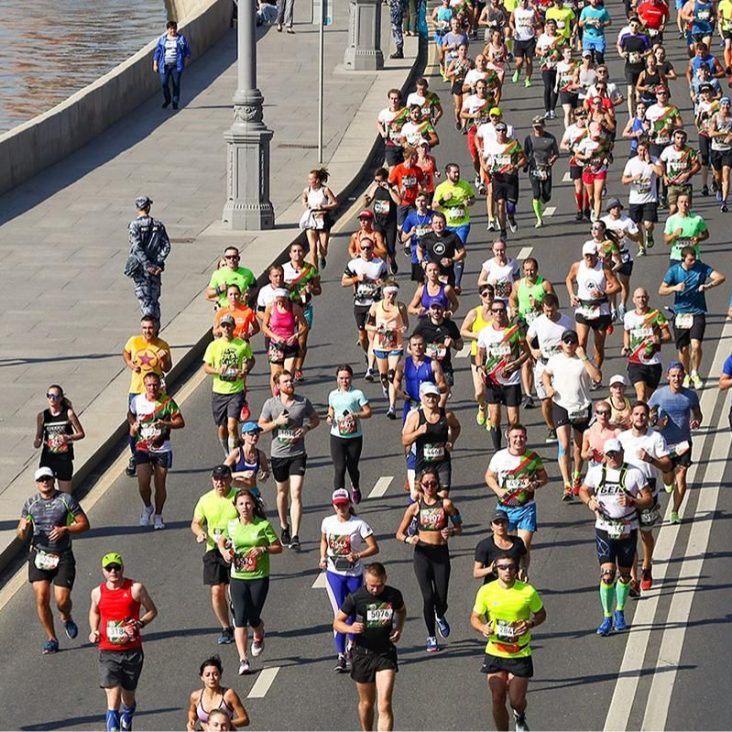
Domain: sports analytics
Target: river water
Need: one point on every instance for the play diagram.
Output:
(50, 49)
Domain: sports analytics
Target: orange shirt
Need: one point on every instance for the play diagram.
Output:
(243, 316)
(408, 181)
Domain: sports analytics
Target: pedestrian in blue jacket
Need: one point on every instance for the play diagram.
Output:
(169, 60)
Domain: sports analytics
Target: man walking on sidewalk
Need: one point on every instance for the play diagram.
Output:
(285, 10)
(397, 9)
(169, 60)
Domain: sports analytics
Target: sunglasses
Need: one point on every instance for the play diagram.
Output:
(603, 412)
(113, 568)
(485, 293)
(231, 256)
(506, 567)
(367, 249)
(498, 310)
(45, 479)
(55, 397)
(500, 522)
(429, 483)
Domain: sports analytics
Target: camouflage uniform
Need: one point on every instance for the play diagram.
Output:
(397, 9)
(147, 285)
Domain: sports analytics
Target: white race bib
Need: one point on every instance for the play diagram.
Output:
(46, 561)
(684, 321)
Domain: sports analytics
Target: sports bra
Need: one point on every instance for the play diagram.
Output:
(432, 518)
(223, 706)
(242, 465)
(427, 299)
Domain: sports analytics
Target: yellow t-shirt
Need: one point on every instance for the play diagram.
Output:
(563, 17)
(724, 12)
(145, 355)
(503, 608)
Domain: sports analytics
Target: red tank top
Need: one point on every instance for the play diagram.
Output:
(116, 607)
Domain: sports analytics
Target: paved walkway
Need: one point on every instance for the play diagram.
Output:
(67, 308)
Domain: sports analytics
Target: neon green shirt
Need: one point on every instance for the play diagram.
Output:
(244, 538)
(564, 17)
(231, 354)
(691, 226)
(215, 511)
(225, 276)
(455, 196)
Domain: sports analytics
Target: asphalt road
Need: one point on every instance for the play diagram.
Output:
(680, 622)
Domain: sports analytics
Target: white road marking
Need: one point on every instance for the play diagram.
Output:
(635, 649)
(264, 681)
(566, 178)
(320, 582)
(549, 211)
(464, 352)
(381, 487)
(524, 252)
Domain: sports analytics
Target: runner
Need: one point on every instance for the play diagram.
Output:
(289, 417)
(514, 475)
(384, 198)
(230, 274)
(680, 163)
(573, 136)
(320, 204)
(211, 515)
(593, 20)
(505, 612)
(615, 492)
(548, 47)
(594, 152)
(523, 23)
(246, 324)
(501, 351)
(641, 174)
(567, 86)
(683, 229)
(346, 408)
(415, 226)
(457, 70)
(367, 231)
(228, 360)
(675, 411)
(151, 417)
(48, 519)
(114, 625)
(567, 377)
(501, 272)
(720, 130)
(541, 151)
(380, 614)
(444, 247)
(246, 545)
(57, 428)
(389, 124)
(499, 543)
(428, 100)
(645, 329)
(345, 540)
(432, 514)
(265, 296)
(418, 129)
(214, 698)
(285, 326)
(248, 463)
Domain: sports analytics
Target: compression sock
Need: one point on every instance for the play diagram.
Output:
(132, 441)
(126, 714)
(607, 593)
(112, 720)
(511, 209)
(579, 199)
(622, 590)
(496, 438)
(536, 204)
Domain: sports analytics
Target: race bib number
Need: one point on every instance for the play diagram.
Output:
(624, 256)
(341, 564)
(436, 350)
(46, 561)
(432, 451)
(245, 562)
(684, 321)
(379, 617)
(634, 57)
(420, 231)
(275, 353)
(500, 350)
(455, 212)
(387, 338)
(149, 432)
(561, 25)
(365, 290)
(531, 316)
(347, 425)
(649, 516)
(119, 632)
(614, 528)
(286, 437)
(643, 186)
(506, 631)
(503, 289)
(57, 444)
(230, 375)
(541, 173)
(409, 181)
(382, 207)
(502, 160)
(590, 312)
(704, 14)
(577, 415)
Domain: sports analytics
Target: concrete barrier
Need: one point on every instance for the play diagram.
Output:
(29, 148)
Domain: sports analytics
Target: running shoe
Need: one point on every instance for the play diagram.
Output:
(295, 543)
(587, 215)
(551, 436)
(634, 591)
(723, 208)
(481, 417)
(341, 666)
(668, 487)
(131, 469)
(650, 241)
(527, 83)
(621, 311)
(394, 267)
(482, 189)
(297, 377)
(491, 225)
(369, 376)
(504, 234)
(527, 402)
(696, 380)
(432, 646)
(539, 223)
(146, 515)
(50, 646)
(443, 627)
(675, 517)
(71, 629)
(597, 384)
(385, 389)
(391, 412)
(355, 495)
(112, 724)
(520, 721)
(476, 180)
(258, 646)
(244, 667)
(687, 381)
(646, 579)
(513, 225)
(285, 536)
(158, 522)
(578, 216)
(576, 483)
(515, 76)
(605, 627)
(641, 252)
(458, 125)
(705, 190)
(407, 250)
(620, 624)
(225, 637)
(614, 315)
(125, 717)
(567, 495)
(322, 263)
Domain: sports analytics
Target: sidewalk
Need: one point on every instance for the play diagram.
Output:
(67, 308)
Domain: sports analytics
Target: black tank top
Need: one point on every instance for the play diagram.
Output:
(431, 446)
(383, 206)
(53, 427)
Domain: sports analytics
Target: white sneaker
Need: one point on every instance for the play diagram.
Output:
(159, 521)
(146, 515)
(258, 646)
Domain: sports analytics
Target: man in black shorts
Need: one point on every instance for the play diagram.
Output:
(289, 417)
(49, 518)
(504, 612)
(379, 613)
(488, 549)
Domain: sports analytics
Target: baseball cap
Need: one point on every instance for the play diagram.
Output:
(724, 100)
(281, 292)
(365, 214)
(143, 201)
(589, 247)
(112, 558)
(221, 471)
(44, 473)
(569, 336)
(612, 445)
(586, 54)
(618, 379)
(428, 388)
(249, 427)
(340, 496)
(499, 515)
(705, 87)
(496, 111)
(227, 319)
(675, 365)
(538, 121)
(613, 203)
(501, 126)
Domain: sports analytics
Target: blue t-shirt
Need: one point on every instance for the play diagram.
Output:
(677, 407)
(590, 13)
(690, 300)
(727, 368)
(346, 403)
(422, 226)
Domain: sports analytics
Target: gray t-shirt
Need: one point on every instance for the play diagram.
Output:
(299, 412)
(539, 149)
(47, 514)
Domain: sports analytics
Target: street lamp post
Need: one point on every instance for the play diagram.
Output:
(247, 205)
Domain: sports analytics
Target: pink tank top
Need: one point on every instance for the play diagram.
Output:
(282, 323)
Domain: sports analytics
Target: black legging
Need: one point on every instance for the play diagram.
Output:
(345, 452)
(550, 94)
(432, 567)
(247, 600)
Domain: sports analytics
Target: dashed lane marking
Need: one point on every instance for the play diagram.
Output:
(320, 582)
(566, 178)
(381, 487)
(549, 211)
(264, 681)
(464, 352)
(525, 252)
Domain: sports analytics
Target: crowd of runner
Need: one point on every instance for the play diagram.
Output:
(623, 440)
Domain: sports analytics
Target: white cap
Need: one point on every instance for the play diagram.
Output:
(589, 247)
(428, 388)
(618, 379)
(44, 473)
(281, 292)
(612, 445)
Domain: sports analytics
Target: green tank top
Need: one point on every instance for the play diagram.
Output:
(525, 292)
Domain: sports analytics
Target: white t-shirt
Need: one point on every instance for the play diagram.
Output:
(502, 277)
(549, 333)
(644, 190)
(487, 132)
(491, 340)
(523, 19)
(474, 76)
(265, 297)
(366, 292)
(612, 91)
(342, 538)
(386, 117)
(652, 442)
(570, 381)
(472, 103)
(622, 227)
(503, 464)
(608, 494)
